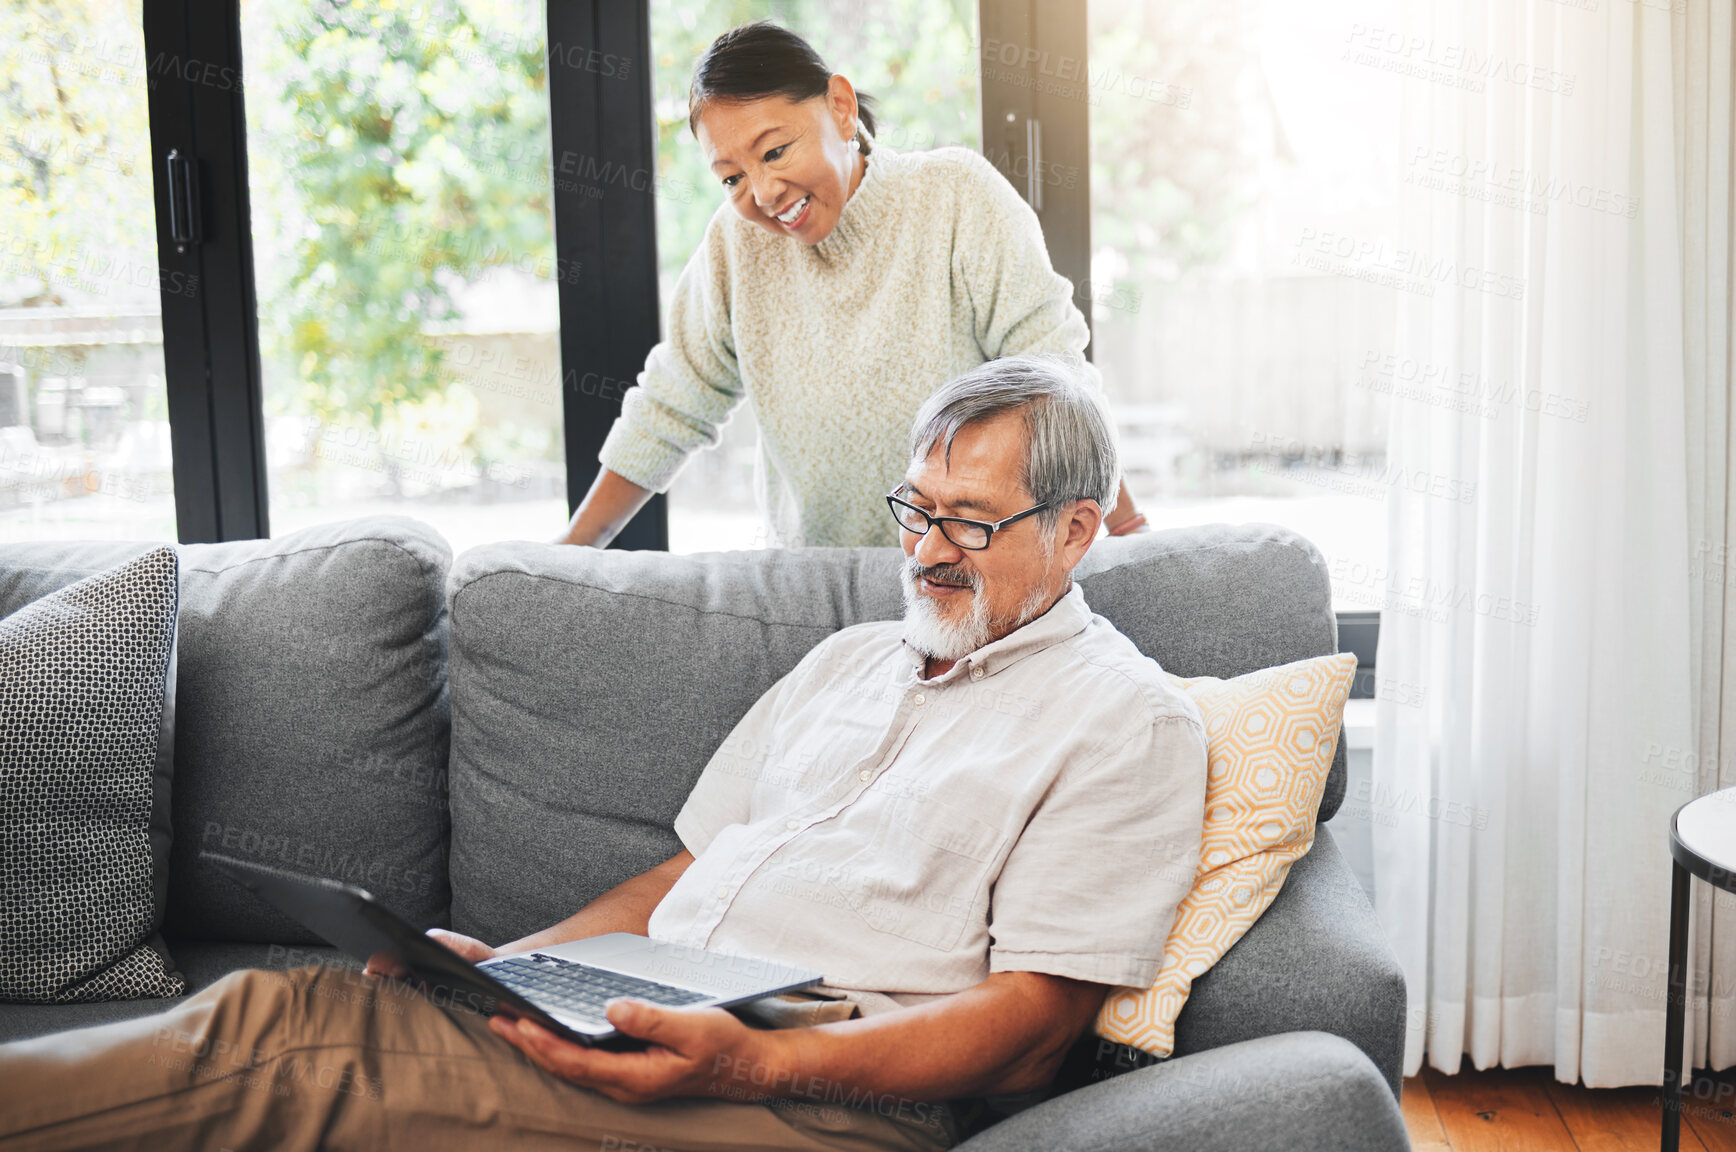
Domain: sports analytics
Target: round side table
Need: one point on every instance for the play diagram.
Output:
(1703, 844)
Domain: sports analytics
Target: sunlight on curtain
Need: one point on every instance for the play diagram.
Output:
(1542, 575)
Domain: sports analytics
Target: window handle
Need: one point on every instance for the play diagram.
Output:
(184, 223)
(1034, 160)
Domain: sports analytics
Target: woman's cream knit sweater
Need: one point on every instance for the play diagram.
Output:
(935, 266)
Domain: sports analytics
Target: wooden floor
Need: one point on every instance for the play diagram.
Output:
(1526, 1110)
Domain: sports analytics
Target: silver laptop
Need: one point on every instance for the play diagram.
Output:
(564, 987)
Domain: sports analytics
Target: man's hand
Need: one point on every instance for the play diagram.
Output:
(472, 949)
(468, 947)
(1008, 1034)
(689, 1049)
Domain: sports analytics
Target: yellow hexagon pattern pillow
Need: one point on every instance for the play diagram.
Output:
(1270, 739)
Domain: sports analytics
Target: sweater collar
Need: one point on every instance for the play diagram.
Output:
(856, 223)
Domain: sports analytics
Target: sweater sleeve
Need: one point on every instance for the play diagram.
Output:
(1018, 301)
(690, 382)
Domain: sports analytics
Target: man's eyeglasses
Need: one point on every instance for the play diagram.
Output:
(973, 535)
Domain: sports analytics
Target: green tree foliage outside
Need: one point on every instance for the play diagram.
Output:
(75, 183)
(398, 151)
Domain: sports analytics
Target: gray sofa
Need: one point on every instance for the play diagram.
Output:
(489, 743)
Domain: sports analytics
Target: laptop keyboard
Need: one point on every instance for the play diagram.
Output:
(579, 989)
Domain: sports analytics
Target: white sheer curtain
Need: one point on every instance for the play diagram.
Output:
(1542, 523)
(1704, 139)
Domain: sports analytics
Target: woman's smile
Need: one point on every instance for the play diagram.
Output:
(796, 214)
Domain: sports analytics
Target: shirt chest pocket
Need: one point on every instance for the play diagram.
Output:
(921, 876)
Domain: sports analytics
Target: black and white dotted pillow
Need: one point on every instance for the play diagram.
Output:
(87, 678)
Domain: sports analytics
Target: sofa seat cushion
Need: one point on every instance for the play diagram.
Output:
(202, 963)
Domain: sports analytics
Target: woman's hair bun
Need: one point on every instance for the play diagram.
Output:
(762, 59)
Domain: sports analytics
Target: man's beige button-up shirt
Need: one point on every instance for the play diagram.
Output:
(1037, 808)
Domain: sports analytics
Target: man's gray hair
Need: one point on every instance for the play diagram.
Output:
(1070, 448)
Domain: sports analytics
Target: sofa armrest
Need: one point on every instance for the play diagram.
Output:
(1317, 960)
(1274, 1094)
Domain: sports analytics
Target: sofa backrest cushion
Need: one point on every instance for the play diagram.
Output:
(311, 720)
(589, 688)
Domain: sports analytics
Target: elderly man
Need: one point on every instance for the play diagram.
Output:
(975, 821)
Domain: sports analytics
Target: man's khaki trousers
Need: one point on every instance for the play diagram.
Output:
(324, 1057)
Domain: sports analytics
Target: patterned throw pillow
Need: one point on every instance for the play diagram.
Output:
(1270, 739)
(86, 693)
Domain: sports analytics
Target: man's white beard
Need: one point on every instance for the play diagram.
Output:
(939, 638)
(932, 634)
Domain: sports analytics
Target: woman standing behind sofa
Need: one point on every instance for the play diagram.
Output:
(837, 288)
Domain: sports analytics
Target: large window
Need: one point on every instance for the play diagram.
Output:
(424, 338)
(400, 179)
(84, 433)
(916, 58)
(1244, 179)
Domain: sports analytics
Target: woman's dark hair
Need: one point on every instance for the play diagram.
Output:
(759, 60)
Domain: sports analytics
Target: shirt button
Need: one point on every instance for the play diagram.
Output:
(866, 775)
(976, 673)
(793, 825)
(919, 699)
(723, 892)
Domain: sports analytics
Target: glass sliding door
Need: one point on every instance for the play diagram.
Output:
(1245, 170)
(84, 433)
(404, 260)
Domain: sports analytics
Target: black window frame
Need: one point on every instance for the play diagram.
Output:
(1035, 130)
(600, 113)
(211, 332)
